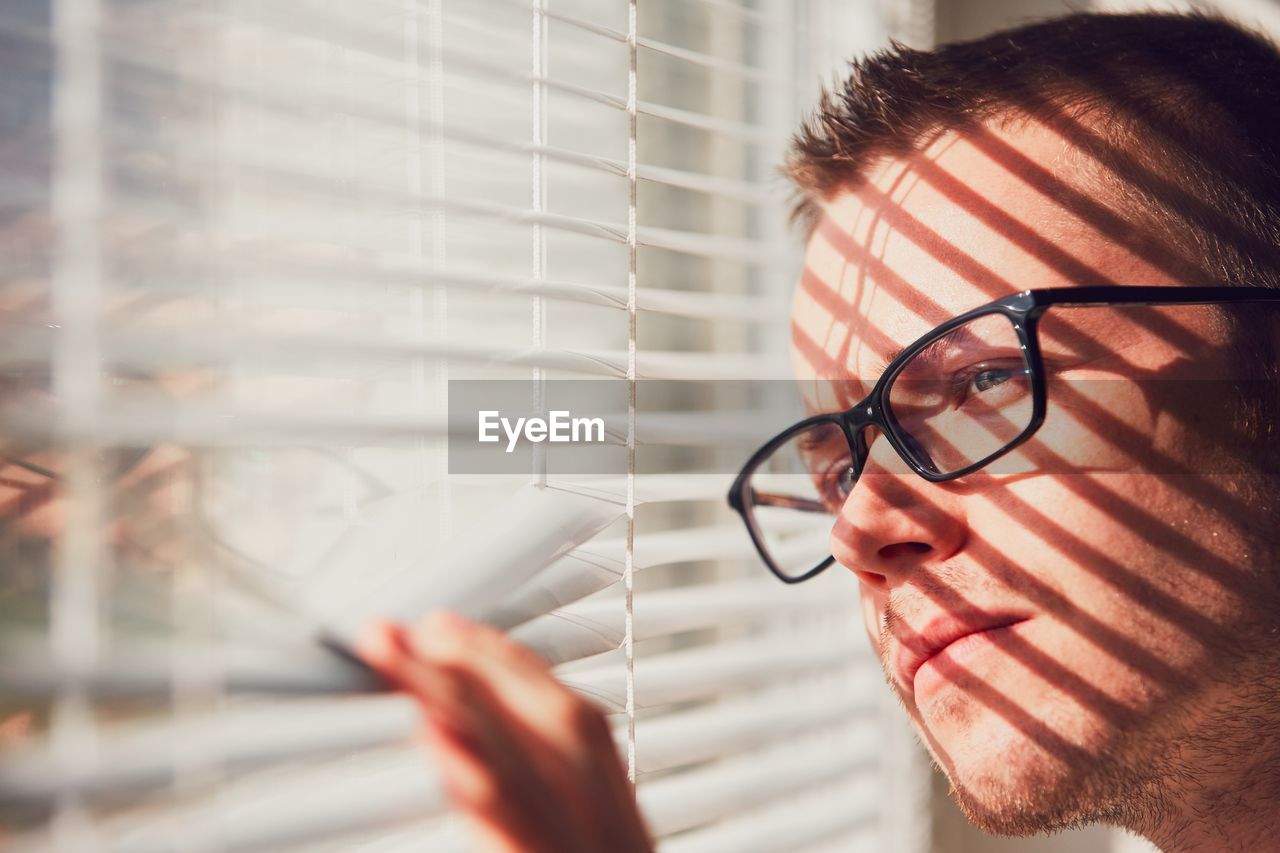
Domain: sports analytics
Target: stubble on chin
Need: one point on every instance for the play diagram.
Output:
(1134, 776)
(1023, 791)
(1069, 770)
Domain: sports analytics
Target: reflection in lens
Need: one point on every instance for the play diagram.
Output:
(964, 397)
(794, 493)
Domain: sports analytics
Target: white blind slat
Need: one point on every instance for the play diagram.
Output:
(269, 812)
(703, 673)
(139, 756)
(596, 626)
(723, 728)
(157, 352)
(837, 809)
(521, 537)
(737, 784)
(136, 668)
(702, 486)
(596, 565)
(314, 217)
(527, 533)
(713, 185)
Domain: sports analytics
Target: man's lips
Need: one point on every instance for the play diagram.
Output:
(914, 651)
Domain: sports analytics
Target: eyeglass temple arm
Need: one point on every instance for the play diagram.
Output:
(127, 460)
(788, 502)
(30, 466)
(1116, 295)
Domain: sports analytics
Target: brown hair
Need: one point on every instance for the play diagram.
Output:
(1177, 114)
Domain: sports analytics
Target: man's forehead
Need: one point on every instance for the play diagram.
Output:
(972, 217)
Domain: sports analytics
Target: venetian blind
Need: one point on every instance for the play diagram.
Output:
(267, 239)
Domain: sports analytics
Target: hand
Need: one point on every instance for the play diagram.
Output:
(531, 765)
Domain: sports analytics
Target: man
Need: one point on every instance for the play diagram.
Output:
(1086, 626)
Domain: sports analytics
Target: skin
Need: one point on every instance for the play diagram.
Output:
(1130, 538)
(1137, 687)
(531, 765)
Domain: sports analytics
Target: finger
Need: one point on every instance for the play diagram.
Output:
(587, 768)
(443, 694)
(490, 762)
(469, 783)
(386, 650)
(520, 679)
(446, 634)
(525, 685)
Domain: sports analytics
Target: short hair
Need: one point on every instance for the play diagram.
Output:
(1177, 113)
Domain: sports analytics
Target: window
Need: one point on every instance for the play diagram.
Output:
(269, 239)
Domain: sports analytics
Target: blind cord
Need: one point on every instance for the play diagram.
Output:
(538, 134)
(75, 602)
(628, 572)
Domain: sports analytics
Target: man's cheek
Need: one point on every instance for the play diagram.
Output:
(872, 603)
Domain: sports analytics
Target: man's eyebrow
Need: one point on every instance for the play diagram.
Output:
(933, 352)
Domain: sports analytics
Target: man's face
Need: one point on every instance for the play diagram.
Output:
(1117, 547)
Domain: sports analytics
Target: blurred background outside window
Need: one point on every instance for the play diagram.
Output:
(246, 246)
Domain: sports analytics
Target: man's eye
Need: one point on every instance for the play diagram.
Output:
(835, 484)
(990, 379)
(968, 383)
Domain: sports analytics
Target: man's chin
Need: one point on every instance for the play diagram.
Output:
(1011, 805)
(1015, 780)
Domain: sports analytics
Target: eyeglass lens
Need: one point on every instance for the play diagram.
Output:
(960, 400)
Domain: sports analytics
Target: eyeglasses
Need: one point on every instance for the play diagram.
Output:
(114, 463)
(950, 403)
(25, 383)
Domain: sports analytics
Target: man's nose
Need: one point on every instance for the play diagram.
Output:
(894, 520)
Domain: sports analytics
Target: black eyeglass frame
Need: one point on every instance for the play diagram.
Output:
(1023, 310)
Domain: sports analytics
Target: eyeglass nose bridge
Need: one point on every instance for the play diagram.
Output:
(855, 423)
(870, 413)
